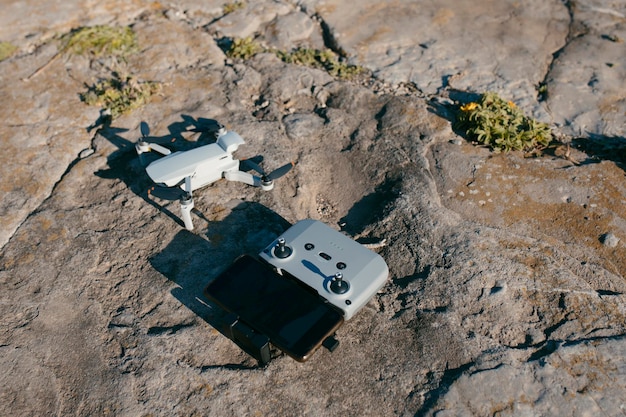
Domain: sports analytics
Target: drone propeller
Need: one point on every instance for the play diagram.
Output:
(144, 129)
(253, 164)
(277, 173)
(201, 129)
(167, 193)
(204, 125)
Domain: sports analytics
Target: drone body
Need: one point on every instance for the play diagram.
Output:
(204, 165)
(186, 171)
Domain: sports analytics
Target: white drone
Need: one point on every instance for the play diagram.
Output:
(185, 171)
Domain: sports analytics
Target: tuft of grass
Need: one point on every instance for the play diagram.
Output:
(542, 91)
(6, 50)
(325, 60)
(100, 40)
(502, 126)
(113, 41)
(120, 95)
(244, 48)
(233, 6)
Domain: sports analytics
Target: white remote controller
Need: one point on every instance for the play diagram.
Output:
(342, 271)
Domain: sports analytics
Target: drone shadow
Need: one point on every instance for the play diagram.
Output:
(125, 165)
(191, 261)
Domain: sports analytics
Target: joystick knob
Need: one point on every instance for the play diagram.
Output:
(281, 250)
(338, 285)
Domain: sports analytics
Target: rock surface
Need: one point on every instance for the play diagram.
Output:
(507, 292)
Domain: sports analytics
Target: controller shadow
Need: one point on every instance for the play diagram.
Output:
(371, 208)
(192, 261)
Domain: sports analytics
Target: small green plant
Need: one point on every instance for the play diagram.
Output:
(502, 126)
(542, 91)
(6, 50)
(325, 60)
(244, 48)
(233, 6)
(100, 40)
(119, 94)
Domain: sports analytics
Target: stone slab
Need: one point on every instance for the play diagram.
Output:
(507, 288)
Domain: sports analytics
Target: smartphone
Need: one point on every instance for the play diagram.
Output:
(295, 319)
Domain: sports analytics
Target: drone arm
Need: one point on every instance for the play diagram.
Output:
(142, 147)
(244, 177)
(160, 149)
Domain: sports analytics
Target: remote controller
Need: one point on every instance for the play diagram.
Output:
(339, 269)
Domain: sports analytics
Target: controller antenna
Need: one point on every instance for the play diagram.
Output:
(281, 250)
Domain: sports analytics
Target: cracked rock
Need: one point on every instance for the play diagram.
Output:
(506, 288)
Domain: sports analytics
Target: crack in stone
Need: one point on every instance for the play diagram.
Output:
(550, 346)
(39, 208)
(448, 378)
(230, 367)
(159, 330)
(545, 349)
(572, 34)
(330, 40)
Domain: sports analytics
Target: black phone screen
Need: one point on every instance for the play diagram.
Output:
(295, 319)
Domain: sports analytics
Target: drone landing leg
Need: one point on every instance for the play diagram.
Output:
(186, 204)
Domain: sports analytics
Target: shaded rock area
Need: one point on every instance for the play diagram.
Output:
(506, 294)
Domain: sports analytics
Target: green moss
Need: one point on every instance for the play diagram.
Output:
(6, 50)
(100, 40)
(233, 6)
(120, 95)
(244, 48)
(502, 126)
(325, 60)
(542, 91)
